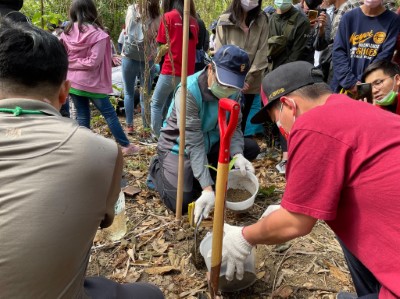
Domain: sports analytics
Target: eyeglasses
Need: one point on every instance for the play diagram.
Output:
(278, 121)
(280, 113)
(378, 83)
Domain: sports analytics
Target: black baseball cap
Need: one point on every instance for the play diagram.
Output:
(231, 66)
(284, 80)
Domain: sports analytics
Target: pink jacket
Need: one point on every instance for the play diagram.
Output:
(89, 56)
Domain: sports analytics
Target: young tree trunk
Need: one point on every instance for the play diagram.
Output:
(42, 13)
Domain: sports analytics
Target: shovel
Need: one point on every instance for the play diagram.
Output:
(226, 132)
(196, 257)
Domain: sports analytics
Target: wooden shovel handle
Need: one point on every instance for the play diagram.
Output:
(226, 132)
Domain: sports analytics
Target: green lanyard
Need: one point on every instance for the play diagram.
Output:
(19, 111)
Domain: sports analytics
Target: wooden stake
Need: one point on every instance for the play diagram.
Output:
(41, 14)
(182, 123)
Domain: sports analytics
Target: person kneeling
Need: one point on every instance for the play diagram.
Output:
(223, 78)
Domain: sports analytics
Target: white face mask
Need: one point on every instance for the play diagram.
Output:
(284, 133)
(373, 3)
(248, 5)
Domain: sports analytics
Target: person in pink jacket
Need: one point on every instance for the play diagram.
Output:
(89, 55)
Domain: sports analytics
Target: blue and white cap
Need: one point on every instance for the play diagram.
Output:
(231, 66)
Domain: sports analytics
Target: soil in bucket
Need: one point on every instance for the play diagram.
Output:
(237, 195)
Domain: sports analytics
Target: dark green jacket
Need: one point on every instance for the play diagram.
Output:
(288, 35)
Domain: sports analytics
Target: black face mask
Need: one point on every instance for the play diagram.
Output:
(13, 4)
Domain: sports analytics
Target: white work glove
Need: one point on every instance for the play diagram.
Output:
(269, 210)
(235, 250)
(243, 164)
(204, 204)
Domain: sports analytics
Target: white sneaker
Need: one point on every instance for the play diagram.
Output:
(281, 167)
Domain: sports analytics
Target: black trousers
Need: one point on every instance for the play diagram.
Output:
(247, 102)
(365, 283)
(103, 288)
(163, 172)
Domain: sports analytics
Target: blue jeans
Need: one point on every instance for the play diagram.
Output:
(161, 99)
(106, 109)
(64, 110)
(130, 70)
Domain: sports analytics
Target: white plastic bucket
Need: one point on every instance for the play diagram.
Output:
(235, 285)
(248, 182)
(118, 228)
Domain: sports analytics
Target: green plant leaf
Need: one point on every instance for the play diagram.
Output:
(212, 167)
(232, 163)
(267, 192)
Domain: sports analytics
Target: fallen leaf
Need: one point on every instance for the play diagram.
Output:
(131, 191)
(131, 254)
(160, 246)
(308, 285)
(140, 264)
(336, 272)
(136, 173)
(132, 276)
(159, 261)
(141, 201)
(172, 258)
(149, 222)
(260, 275)
(180, 235)
(283, 292)
(288, 272)
(161, 270)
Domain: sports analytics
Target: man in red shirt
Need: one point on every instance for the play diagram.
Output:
(342, 169)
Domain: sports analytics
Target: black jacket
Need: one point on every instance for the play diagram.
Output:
(204, 36)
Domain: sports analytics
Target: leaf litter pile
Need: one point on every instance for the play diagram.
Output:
(159, 250)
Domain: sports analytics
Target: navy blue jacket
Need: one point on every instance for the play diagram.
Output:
(360, 41)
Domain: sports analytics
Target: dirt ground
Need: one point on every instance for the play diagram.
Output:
(158, 249)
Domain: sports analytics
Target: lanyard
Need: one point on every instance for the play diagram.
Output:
(19, 111)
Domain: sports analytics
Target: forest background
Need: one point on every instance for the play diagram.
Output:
(112, 12)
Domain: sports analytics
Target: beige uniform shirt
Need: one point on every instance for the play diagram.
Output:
(58, 183)
(254, 40)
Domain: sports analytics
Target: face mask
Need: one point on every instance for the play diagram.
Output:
(248, 5)
(283, 4)
(373, 3)
(389, 99)
(221, 91)
(284, 133)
